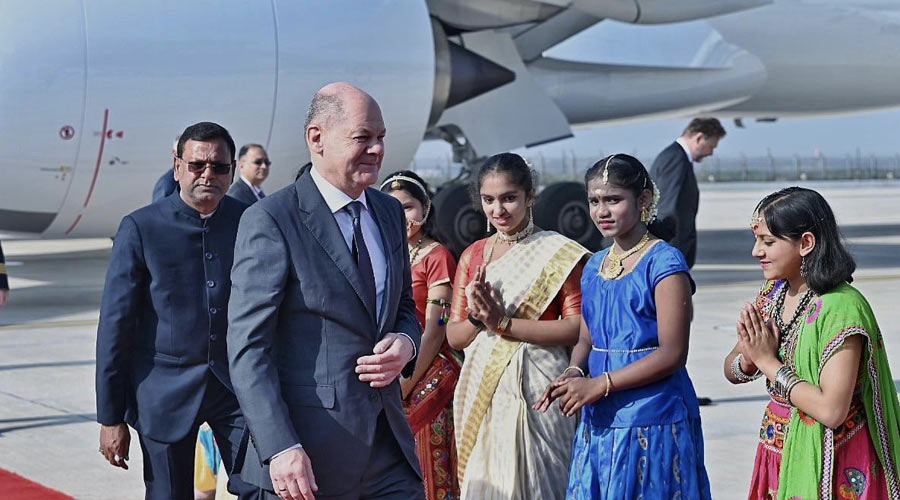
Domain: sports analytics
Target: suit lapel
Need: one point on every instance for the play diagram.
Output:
(380, 211)
(318, 219)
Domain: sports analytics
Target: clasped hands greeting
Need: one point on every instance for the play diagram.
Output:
(482, 300)
(758, 339)
(291, 472)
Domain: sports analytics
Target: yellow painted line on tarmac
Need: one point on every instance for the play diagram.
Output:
(48, 324)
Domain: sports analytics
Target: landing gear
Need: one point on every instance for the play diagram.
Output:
(458, 222)
(563, 207)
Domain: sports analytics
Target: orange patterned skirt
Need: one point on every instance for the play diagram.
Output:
(429, 409)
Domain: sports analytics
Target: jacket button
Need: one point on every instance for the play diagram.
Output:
(212, 337)
(212, 362)
(213, 310)
(210, 283)
(373, 397)
(206, 229)
(209, 255)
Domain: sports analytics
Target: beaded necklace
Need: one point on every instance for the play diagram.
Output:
(517, 237)
(511, 239)
(790, 331)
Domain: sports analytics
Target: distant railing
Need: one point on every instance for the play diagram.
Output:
(568, 167)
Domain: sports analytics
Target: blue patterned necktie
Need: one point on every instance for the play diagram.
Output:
(361, 255)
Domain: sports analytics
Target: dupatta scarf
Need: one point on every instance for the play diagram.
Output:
(807, 463)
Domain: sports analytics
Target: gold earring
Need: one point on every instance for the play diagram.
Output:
(645, 215)
(487, 222)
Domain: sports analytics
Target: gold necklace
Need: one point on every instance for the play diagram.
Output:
(415, 251)
(614, 267)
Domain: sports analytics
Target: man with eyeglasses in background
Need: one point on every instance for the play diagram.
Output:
(161, 356)
(253, 164)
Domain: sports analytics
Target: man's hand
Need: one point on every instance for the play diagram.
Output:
(114, 443)
(391, 355)
(292, 475)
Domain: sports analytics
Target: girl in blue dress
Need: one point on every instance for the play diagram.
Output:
(639, 436)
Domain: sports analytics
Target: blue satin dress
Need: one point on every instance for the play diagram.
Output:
(642, 443)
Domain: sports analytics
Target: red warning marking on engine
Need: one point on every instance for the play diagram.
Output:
(66, 132)
(118, 134)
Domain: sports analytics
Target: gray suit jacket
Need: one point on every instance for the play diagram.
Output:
(241, 191)
(679, 198)
(298, 323)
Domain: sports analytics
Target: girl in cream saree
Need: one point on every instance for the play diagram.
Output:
(516, 307)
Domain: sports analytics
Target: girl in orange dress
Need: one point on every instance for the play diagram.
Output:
(428, 393)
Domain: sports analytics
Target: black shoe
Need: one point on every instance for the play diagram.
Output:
(704, 401)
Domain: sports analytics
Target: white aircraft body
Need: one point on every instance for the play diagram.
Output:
(92, 92)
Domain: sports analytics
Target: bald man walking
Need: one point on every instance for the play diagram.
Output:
(322, 320)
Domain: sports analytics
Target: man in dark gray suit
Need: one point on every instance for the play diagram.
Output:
(253, 168)
(161, 357)
(679, 195)
(322, 320)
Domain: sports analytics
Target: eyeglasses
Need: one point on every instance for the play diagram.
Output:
(197, 167)
(261, 161)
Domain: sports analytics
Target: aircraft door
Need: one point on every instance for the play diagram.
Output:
(42, 85)
(153, 68)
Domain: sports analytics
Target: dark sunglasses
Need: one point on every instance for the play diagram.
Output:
(197, 167)
(261, 161)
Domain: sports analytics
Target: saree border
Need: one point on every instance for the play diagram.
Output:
(543, 290)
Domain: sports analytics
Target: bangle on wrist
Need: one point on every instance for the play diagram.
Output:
(738, 372)
(503, 325)
(573, 367)
(608, 384)
(478, 324)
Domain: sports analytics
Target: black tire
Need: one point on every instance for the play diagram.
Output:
(563, 207)
(458, 222)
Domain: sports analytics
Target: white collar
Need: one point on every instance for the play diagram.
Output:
(681, 142)
(334, 197)
(207, 216)
(256, 189)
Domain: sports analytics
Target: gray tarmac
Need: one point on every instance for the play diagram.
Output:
(47, 333)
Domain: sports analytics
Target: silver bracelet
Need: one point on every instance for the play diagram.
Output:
(573, 367)
(784, 378)
(790, 387)
(739, 373)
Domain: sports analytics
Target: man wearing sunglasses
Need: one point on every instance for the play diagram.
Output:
(162, 366)
(253, 164)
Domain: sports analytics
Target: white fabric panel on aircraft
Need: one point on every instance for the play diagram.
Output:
(153, 68)
(42, 88)
(516, 114)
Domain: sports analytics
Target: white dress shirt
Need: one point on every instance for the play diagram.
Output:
(681, 142)
(336, 201)
(256, 189)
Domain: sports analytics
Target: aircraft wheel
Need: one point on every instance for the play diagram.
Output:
(458, 222)
(563, 207)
